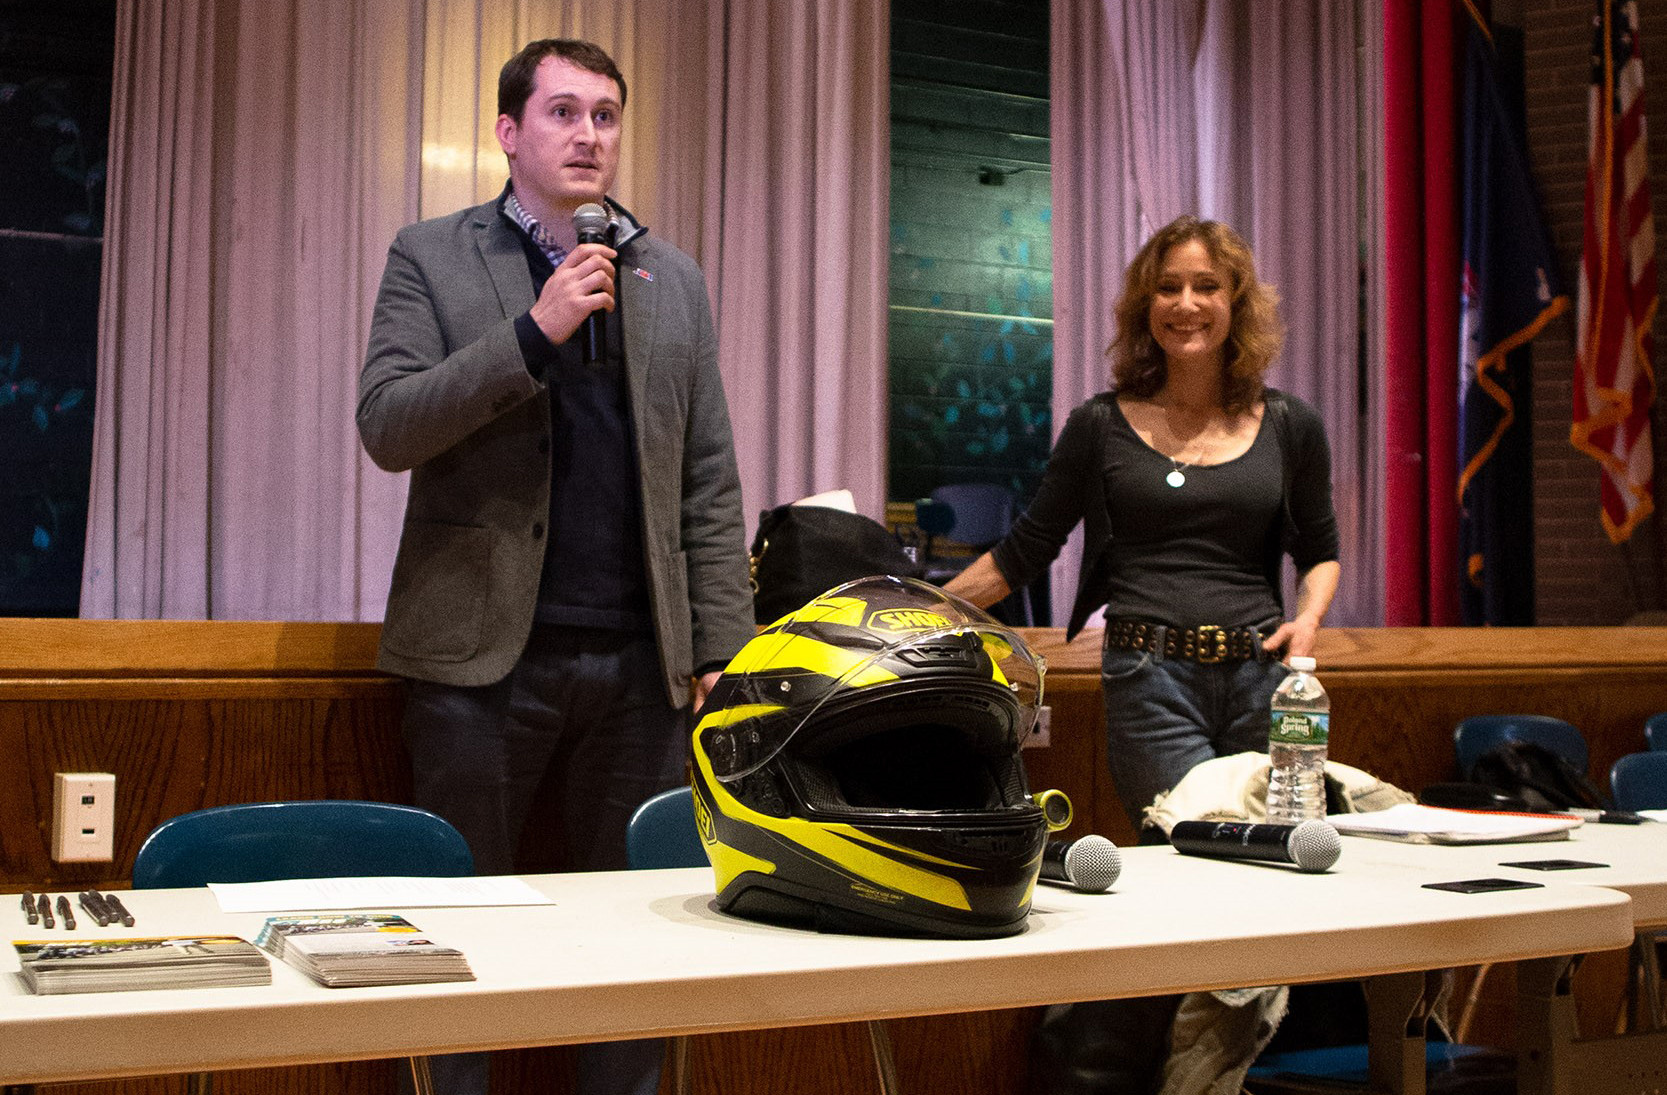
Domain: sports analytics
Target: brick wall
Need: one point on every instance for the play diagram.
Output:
(971, 271)
(1580, 578)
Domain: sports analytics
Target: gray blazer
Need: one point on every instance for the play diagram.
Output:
(446, 394)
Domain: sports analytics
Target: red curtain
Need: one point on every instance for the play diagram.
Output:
(1422, 291)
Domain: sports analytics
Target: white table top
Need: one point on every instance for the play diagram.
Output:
(644, 953)
(1634, 859)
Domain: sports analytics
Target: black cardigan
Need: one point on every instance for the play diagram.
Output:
(1073, 489)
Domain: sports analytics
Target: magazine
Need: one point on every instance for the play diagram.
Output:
(361, 948)
(164, 962)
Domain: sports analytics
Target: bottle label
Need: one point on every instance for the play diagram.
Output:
(1300, 727)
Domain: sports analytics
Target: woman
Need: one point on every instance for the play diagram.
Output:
(1193, 481)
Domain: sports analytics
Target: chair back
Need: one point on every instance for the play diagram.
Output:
(1655, 731)
(263, 841)
(663, 833)
(983, 512)
(1639, 781)
(1479, 733)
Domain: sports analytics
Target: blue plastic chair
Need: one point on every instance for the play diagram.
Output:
(264, 841)
(1448, 1067)
(662, 833)
(1655, 731)
(1479, 733)
(1639, 781)
(982, 514)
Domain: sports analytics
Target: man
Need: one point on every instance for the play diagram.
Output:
(573, 545)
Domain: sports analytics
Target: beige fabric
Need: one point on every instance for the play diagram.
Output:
(1235, 788)
(1216, 1036)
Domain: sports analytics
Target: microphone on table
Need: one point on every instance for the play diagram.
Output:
(590, 224)
(1312, 845)
(1088, 863)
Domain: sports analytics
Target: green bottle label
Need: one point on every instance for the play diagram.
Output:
(1300, 727)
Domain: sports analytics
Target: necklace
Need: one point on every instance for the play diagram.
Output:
(1176, 477)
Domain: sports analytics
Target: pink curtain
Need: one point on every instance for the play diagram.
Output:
(776, 177)
(263, 155)
(261, 160)
(1241, 110)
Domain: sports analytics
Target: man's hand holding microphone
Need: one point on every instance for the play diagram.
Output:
(581, 290)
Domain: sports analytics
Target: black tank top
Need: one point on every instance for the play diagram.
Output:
(1191, 554)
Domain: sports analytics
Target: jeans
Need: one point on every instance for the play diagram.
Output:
(1166, 715)
(583, 715)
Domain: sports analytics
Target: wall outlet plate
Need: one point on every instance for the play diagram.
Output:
(83, 817)
(1038, 736)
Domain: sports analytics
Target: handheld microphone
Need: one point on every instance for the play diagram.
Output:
(1312, 845)
(590, 224)
(1088, 863)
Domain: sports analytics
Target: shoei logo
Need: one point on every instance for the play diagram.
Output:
(703, 822)
(906, 619)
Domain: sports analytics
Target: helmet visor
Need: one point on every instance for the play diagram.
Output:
(868, 634)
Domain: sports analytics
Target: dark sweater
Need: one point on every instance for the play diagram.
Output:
(594, 575)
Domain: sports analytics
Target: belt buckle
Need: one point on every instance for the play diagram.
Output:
(1212, 644)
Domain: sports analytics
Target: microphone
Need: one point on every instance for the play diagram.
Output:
(1312, 845)
(590, 223)
(1088, 863)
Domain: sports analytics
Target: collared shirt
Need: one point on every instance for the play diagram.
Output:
(553, 251)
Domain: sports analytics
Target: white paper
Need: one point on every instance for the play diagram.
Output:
(1414, 822)
(1653, 815)
(373, 893)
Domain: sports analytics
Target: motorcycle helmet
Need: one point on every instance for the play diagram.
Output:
(857, 768)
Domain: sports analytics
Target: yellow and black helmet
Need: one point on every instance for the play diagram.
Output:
(857, 767)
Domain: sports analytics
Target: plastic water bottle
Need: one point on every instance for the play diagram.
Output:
(1300, 727)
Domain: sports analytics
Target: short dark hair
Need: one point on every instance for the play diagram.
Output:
(515, 81)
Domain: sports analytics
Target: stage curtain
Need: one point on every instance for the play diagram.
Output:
(1244, 111)
(263, 156)
(1420, 380)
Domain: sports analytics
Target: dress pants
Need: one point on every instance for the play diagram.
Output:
(584, 715)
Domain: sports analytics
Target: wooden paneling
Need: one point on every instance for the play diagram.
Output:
(200, 714)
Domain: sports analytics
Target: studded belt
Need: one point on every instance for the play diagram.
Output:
(1205, 643)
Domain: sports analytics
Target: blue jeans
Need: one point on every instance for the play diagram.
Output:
(1166, 715)
(585, 712)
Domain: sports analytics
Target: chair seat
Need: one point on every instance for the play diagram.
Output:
(1450, 1068)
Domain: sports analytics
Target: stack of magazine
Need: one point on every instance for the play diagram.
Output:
(346, 949)
(170, 962)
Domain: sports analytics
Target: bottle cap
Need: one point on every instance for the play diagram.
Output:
(1302, 663)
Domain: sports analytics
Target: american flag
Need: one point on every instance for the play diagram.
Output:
(1614, 385)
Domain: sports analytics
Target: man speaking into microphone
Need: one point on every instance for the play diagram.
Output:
(572, 558)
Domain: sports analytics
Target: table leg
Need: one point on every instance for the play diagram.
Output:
(1398, 1012)
(1552, 1059)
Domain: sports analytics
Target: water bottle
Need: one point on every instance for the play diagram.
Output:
(1300, 725)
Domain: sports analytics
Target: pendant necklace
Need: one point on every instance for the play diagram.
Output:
(1178, 478)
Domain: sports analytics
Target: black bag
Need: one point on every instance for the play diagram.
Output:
(1542, 779)
(801, 552)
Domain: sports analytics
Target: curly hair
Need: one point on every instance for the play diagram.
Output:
(1139, 366)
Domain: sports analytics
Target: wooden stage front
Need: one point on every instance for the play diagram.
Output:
(189, 715)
